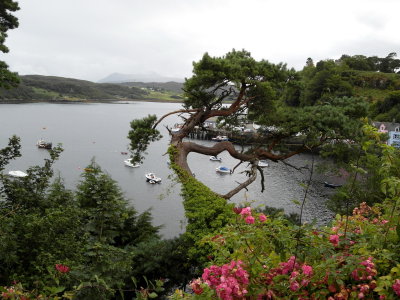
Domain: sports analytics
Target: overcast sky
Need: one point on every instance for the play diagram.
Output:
(90, 39)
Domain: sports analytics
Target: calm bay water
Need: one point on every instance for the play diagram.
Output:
(99, 131)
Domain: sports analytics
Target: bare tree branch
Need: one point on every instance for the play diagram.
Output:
(253, 176)
(235, 167)
(262, 178)
(175, 112)
(294, 167)
(217, 149)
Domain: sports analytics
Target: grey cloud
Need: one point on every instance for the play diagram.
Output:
(92, 39)
(368, 46)
(373, 20)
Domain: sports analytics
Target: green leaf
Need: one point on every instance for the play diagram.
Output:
(398, 230)
(296, 202)
(153, 295)
(55, 290)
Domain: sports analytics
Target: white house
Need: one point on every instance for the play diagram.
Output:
(392, 129)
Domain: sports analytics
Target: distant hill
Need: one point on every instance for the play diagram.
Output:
(147, 77)
(38, 87)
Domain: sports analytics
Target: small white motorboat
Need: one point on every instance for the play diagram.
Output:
(17, 173)
(43, 144)
(223, 170)
(215, 158)
(220, 138)
(177, 127)
(152, 178)
(263, 164)
(128, 163)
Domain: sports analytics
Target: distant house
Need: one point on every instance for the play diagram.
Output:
(210, 123)
(392, 129)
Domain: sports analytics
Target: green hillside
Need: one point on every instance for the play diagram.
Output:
(171, 86)
(375, 86)
(377, 80)
(37, 87)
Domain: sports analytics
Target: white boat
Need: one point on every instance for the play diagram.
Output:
(223, 170)
(19, 174)
(177, 127)
(152, 178)
(215, 158)
(263, 164)
(220, 138)
(128, 163)
(43, 144)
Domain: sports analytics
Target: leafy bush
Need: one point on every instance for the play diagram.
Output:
(257, 256)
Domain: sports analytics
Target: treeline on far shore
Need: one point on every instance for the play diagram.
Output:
(59, 89)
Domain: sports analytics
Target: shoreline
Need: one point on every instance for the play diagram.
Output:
(4, 101)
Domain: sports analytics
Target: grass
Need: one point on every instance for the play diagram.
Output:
(372, 95)
(46, 94)
(167, 96)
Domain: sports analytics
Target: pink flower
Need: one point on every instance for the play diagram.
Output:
(396, 287)
(196, 286)
(262, 218)
(332, 288)
(294, 274)
(62, 268)
(237, 210)
(229, 281)
(384, 222)
(246, 211)
(249, 220)
(294, 285)
(305, 282)
(308, 270)
(334, 239)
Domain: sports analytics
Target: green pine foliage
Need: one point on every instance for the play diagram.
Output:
(7, 22)
(142, 133)
(92, 232)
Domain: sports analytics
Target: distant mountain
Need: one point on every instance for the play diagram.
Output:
(38, 87)
(147, 77)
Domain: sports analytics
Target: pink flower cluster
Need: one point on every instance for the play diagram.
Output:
(379, 221)
(299, 274)
(246, 215)
(14, 292)
(229, 281)
(396, 287)
(334, 239)
(364, 289)
(363, 210)
(62, 268)
(367, 272)
(196, 286)
(9, 294)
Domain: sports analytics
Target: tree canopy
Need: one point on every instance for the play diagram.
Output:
(7, 22)
(388, 64)
(237, 88)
